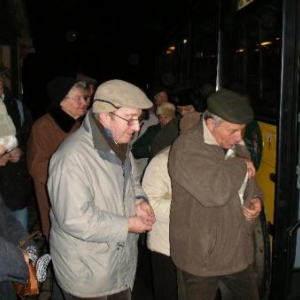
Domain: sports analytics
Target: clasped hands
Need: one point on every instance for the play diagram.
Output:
(144, 217)
(12, 156)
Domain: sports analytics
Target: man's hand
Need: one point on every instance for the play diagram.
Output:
(137, 225)
(4, 159)
(253, 210)
(15, 155)
(144, 210)
(2, 150)
(250, 168)
(12, 156)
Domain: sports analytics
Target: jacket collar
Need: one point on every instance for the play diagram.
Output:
(103, 140)
(207, 136)
(62, 119)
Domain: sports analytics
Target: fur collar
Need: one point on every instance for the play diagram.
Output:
(63, 120)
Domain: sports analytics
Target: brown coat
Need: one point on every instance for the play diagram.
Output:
(46, 135)
(209, 235)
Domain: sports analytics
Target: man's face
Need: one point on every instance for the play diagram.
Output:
(184, 109)
(76, 103)
(160, 98)
(227, 134)
(123, 123)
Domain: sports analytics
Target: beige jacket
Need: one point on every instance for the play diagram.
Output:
(157, 185)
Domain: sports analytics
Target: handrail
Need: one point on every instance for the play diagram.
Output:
(293, 228)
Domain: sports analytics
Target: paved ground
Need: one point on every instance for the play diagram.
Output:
(142, 288)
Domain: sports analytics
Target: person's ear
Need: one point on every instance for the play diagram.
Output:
(210, 123)
(104, 117)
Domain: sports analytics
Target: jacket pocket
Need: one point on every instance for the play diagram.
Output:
(211, 245)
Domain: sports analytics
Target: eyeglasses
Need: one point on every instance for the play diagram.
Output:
(79, 98)
(129, 122)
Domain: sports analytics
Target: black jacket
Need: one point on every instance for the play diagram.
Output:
(166, 136)
(15, 182)
(141, 148)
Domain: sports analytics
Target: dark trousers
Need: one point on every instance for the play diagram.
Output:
(237, 286)
(124, 295)
(164, 277)
(57, 293)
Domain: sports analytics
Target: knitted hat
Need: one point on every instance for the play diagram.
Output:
(7, 126)
(59, 87)
(114, 94)
(166, 109)
(230, 106)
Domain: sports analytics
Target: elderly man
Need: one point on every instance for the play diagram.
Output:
(98, 206)
(215, 203)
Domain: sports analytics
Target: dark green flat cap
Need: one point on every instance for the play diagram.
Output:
(230, 106)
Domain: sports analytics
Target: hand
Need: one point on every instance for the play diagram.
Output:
(144, 210)
(253, 211)
(250, 168)
(4, 159)
(15, 155)
(137, 225)
(2, 150)
(12, 156)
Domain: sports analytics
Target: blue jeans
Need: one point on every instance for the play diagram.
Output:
(22, 216)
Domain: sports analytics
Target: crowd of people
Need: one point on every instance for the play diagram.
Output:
(109, 163)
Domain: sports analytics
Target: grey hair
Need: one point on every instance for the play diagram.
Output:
(217, 119)
(96, 116)
(81, 85)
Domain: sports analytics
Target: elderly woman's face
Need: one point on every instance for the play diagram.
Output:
(164, 120)
(76, 102)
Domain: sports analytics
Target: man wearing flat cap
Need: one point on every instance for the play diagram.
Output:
(216, 203)
(98, 205)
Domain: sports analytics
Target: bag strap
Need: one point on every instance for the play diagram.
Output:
(35, 235)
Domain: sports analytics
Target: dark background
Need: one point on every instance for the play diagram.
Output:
(105, 39)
